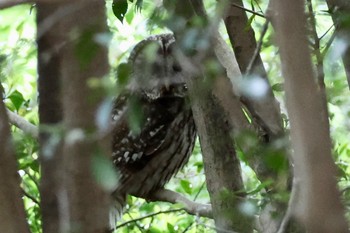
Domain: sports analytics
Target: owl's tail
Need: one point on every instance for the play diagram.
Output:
(116, 210)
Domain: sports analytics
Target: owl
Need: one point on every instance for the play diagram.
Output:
(154, 131)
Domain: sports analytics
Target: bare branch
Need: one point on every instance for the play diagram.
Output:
(25, 193)
(248, 10)
(148, 216)
(258, 47)
(10, 3)
(23, 124)
(191, 207)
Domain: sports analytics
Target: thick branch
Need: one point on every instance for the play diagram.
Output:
(191, 207)
(265, 110)
(23, 124)
(12, 215)
(10, 3)
(211, 92)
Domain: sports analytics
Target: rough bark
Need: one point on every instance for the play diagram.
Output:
(318, 206)
(222, 168)
(213, 102)
(84, 203)
(340, 10)
(12, 215)
(265, 111)
(50, 115)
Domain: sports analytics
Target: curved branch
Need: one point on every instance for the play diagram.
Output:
(191, 207)
(23, 124)
(148, 216)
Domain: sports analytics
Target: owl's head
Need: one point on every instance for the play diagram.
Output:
(154, 67)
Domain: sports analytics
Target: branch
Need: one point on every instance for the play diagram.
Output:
(23, 124)
(10, 3)
(25, 193)
(258, 48)
(248, 10)
(191, 207)
(148, 216)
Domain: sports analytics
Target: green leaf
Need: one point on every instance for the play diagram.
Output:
(135, 116)
(129, 16)
(249, 23)
(86, 47)
(278, 87)
(17, 99)
(123, 72)
(104, 172)
(120, 7)
(139, 4)
(186, 185)
(171, 228)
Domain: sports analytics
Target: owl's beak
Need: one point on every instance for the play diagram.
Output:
(167, 84)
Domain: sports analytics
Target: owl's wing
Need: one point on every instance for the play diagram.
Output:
(132, 151)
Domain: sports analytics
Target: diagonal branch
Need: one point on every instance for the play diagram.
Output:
(23, 124)
(191, 207)
(148, 216)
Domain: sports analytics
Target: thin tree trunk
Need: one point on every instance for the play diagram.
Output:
(318, 206)
(265, 110)
(12, 215)
(83, 201)
(50, 114)
(209, 93)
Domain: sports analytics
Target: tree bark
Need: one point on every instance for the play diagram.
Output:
(318, 206)
(12, 215)
(84, 203)
(265, 110)
(210, 92)
(50, 114)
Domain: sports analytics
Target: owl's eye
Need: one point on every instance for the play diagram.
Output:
(177, 68)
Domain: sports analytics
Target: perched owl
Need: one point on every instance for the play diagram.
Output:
(154, 131)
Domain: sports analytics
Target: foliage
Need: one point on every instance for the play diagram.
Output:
(18, 76)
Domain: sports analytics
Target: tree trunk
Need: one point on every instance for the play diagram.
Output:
(317, 206)
(265, 110)
(84, 203)
(210, 92)
(12, 215)
(50, 114)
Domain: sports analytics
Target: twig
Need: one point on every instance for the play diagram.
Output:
(248, 10)
(258, 47)
(215, 228)
(31, 197)
(32, 178)
(316, 48)
(329, 43)
(23, 124)
(148, 216)
(194, 199)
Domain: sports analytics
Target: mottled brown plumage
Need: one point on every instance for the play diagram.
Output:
(154, 131)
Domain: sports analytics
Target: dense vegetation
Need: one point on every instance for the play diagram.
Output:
(18, 78)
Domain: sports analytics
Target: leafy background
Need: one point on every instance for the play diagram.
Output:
(18, 75)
